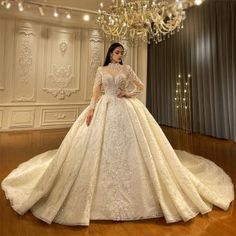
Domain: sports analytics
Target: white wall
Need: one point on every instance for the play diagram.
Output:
(47, 72)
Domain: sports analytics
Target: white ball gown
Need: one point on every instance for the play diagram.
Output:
(120, 167)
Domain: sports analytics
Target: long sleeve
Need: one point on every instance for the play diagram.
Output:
(96, 89)
(138, 84)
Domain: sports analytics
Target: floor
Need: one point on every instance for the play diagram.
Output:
(17, 147)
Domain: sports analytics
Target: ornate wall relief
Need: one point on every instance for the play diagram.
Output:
(25, 67)
(95, 59)
(43, 64)
(62, 70)
(63, 46)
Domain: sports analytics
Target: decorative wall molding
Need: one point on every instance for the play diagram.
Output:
(49, 68)
(2, 53)
(55, 116)
(95, 59)
(43, 104)
(63, 46)
(61, 75)
(25, 99)
(62, 67)
(39, 117)
(25, 67)
(21, 118)
(25, 61)
(61, 93)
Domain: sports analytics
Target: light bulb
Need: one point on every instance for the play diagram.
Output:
(86, 17)
(20, 6)
(55, 13)
(68, 15)
(8, 5)
(198, 2)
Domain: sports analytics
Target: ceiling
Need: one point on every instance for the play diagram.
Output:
(91, 5)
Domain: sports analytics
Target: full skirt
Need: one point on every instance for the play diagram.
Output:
(120, 167)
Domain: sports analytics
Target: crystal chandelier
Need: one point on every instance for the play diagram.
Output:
(143, 20)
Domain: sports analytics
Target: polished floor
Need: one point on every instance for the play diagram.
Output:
(17, 147)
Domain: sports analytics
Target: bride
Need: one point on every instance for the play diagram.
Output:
(115, 163)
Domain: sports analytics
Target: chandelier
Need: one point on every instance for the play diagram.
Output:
(143, 20)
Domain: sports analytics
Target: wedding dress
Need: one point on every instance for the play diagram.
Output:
(120, 167)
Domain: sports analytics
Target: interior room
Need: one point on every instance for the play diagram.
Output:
(117, 117)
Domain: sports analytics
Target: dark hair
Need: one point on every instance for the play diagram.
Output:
(110, 50)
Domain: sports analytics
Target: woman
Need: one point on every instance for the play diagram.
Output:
(115, 163)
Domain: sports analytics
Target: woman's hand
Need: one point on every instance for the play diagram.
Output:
(89, 117)
(123, 93)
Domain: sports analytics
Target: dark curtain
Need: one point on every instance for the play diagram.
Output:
(206, 49)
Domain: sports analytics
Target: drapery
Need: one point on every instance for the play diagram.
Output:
(206, 49)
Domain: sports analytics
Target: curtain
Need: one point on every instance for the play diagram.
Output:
(206, 50)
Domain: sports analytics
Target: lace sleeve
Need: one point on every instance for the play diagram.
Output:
(96, 89)
(139, 86)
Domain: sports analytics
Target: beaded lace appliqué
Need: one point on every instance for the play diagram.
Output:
(114, 77)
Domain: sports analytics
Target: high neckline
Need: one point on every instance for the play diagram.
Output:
(113, 65)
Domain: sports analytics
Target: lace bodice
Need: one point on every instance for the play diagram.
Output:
(115, 77)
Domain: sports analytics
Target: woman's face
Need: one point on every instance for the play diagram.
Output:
(117, 54)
